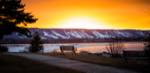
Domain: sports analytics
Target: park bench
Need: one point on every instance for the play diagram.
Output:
(67, 48)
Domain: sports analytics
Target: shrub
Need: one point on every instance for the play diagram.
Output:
(36, 44)
(3, 49)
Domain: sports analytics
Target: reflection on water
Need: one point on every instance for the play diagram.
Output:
(90, 47)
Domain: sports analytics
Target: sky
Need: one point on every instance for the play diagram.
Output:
(90, 14)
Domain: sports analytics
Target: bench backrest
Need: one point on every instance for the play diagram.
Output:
(67, 48)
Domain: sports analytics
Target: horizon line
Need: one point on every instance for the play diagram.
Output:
(89, 29)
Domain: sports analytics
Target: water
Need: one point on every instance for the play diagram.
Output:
(90, 47)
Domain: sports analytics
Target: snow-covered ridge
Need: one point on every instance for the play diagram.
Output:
(88, 34)
(82, 34)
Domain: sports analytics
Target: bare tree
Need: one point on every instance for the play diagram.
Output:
(115, 47)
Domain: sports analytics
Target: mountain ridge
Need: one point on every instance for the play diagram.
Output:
(78, 35)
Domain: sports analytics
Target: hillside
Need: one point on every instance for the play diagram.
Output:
(77, 35)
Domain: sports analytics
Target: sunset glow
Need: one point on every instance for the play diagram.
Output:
(113, 14)
(81, 22)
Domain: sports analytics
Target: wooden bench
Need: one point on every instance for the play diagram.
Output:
(68, 48)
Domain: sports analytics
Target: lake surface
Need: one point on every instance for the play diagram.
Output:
(90, 47)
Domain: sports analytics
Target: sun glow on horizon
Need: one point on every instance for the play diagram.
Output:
(90, 14)
(82, 22)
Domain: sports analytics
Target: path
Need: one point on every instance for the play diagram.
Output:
(72, 64)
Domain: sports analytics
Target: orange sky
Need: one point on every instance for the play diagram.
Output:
(116, 14)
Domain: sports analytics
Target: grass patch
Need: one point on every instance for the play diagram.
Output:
(135, 65)
(15, 64)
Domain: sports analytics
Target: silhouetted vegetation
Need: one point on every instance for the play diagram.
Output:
(12, 15)
(115, 47)
(3, 49)
(147, 46)
(36, 43)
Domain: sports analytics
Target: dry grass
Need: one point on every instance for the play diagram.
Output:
(13, 64)
(140, 66)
